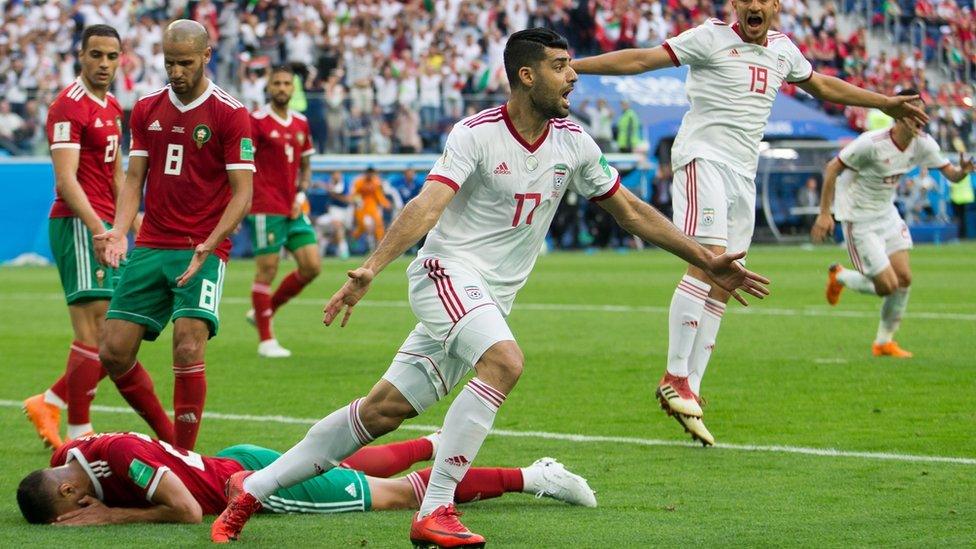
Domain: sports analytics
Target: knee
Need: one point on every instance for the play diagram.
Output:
(266, 273)
(904, 280)
(506, 364)
(381, 416)
(187, 351)
(113, 357)
(884, 287)
(310, 272)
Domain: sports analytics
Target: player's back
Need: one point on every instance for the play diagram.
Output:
(507, 194)
(280, 144)
(190, 148)
(78, 119)
(731, 86)
(126, 468)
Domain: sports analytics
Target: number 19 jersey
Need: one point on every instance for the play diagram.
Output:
(731, 85)
(507, 194)
(190, 148)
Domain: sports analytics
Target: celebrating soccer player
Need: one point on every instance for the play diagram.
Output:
(735, 73)
(83, 127)
(193, 141)
(116, 478)
(861, 183)
(487, 204)
(284, 147)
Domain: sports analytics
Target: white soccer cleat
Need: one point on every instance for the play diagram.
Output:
(249, 316)
(272, 349)
(556, 482)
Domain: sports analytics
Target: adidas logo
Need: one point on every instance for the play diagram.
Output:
(155, 126)
(502, 169)
(188, 417)
(457, 461)
(99, 123)
(734, 53)
(351, 490)
(690, 323)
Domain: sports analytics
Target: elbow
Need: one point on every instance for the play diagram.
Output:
(629, 222)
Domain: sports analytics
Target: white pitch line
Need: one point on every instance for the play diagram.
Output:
(779, 449)
(756, 309)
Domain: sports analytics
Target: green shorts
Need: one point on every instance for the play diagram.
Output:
(269, 232)
(82, 278)
(338, 490)
(147, 293)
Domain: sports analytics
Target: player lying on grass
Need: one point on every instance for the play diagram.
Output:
(860, 184)
(117, 478)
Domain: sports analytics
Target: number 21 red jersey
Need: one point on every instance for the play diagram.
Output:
(190, 148)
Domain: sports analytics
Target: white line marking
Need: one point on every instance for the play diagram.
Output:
(830, 360)
(821, 452)
(756, 309)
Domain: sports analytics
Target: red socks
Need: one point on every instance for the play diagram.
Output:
(291, 286)
(83, 374)
(189, 394)
(136, 387)
(261, 301)
(389, 459)
(479, 483)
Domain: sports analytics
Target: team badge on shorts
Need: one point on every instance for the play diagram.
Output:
(100, 277)
(201, 134)
(474, 292)
(708, 217)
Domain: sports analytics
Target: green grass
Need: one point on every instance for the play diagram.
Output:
(777, 378)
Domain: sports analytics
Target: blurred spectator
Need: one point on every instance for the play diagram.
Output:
(808, 196)
(601, 123)
(628, 128)
(10, 124)
(368, 197)
(356, 131)
(406, 130)
(408, 185)
(337, 220)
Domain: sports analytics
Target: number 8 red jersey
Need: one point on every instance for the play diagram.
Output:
(79, 120)
(190, 148)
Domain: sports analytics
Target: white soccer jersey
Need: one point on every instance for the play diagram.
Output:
(507, 194)
(874, 166)
(731, 85)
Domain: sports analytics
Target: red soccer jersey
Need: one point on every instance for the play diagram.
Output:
(280, 145)
(77, 119)
(125, 469)
(190, 149)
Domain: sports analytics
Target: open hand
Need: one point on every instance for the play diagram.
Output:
(726, 271)
(348, 295)
(200, 254)
(902, 106)
(965, 163)
(110, 248)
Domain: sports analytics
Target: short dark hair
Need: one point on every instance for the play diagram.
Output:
(527, 48)
(282, 68)
(98, 30)
(908, 91)
(35, 499)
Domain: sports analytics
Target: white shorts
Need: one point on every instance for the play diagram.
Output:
(459, 321)
(714, 204)
(870, 243)
(342, 215)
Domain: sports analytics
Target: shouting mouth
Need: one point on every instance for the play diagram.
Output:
(565, 97)
(754, 22)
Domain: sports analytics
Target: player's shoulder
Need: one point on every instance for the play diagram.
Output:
(298, 116)
(565, 125)
(487, 119)
(777, 40)
(152, 97)
(569, 132)
(69, 99)
(259, 114)
(225, 100)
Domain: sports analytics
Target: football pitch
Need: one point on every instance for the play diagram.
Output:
(820, 444)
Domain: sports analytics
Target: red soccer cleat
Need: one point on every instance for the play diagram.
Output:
(676, 397)
(240, 507)
(834, 287)
(46, 419)
(442, 529)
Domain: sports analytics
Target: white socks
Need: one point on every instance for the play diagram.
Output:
(685, 314)
(55, 400)
(849, 278)
(327, 443)
(466, 425)
(704, 343)
(75, 431)
(892, 308)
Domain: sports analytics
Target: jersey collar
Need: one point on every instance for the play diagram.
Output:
(286, 122)
(531, 147)
(738, 31)
(891, 136)
(76, 454)
(101, 102)
(193, 104)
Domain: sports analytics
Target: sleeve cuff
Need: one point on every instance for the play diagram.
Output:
(309, 152)
(138, 152)
(155, 482)
(56, 146)
(231, 167)
(802, 80)
(671, 54)
(613, 190)
(445, 180)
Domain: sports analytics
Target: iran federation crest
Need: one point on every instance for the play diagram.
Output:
(708, 217)
(473, 292)
(559, 174)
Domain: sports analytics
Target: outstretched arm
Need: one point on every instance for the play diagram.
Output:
(958, 173)
(632, 61)
(173, 503)
(823, 227)
(642, 220)
(835, 90)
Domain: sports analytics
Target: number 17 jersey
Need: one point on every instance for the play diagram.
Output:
(507, 194)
